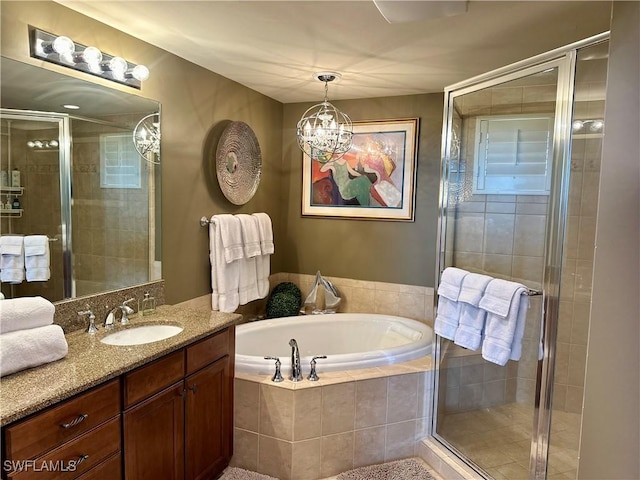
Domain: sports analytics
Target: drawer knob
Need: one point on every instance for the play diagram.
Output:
(194, 388)
(79, 419)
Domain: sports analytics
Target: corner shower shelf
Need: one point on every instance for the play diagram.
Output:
(11, 213)
(15, 191)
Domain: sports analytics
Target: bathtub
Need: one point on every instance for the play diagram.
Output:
(351, 341)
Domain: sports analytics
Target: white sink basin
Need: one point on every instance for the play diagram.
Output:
(141, 335)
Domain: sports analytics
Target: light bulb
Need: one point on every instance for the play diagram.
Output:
(578, 125)
(596, 125)
(63, 46)
(37, 144)
(92, 55)
(140, 72)
(117, 66)
(31, 144)
(53, 143)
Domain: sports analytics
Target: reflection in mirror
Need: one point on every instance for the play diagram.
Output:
(81, 183)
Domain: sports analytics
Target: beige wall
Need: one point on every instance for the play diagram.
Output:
(394, 252)
(194, 102)
(610, 441)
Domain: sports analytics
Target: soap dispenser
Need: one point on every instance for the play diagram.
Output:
(148, 305)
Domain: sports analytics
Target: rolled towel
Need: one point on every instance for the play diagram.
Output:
(37, 258)
(24, 349)
(25, 313)
(12, 259)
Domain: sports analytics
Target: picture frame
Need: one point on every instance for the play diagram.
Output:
(374, 180)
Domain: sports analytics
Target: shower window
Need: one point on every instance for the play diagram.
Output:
(119, 161)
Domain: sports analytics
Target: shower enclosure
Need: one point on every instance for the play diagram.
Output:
(521, 160)
(84, 186)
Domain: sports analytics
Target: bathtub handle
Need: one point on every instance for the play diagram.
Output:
(313, 376)
(277, 376)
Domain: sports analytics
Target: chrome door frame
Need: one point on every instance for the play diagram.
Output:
(564, 59)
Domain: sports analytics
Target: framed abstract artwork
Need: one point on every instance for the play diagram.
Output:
(374, 180)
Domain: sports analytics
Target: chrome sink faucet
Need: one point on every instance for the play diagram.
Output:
(111, 316)
(296, 370)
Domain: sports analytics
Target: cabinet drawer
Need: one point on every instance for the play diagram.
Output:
(110, 469)
(76, 456)
(209, 350)
(46, 430)
(152, 378)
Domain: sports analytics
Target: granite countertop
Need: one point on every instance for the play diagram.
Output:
(90, 362)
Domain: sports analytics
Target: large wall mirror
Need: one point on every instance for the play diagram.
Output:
(75, 177)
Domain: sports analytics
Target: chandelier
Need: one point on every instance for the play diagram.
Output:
(146, 138)
(324, 132)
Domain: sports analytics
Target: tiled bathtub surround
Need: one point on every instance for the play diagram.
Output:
(362, 296)
(310, 430)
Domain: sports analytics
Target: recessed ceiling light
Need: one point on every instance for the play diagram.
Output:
(71, 107)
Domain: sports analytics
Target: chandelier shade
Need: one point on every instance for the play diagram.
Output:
(324, 132)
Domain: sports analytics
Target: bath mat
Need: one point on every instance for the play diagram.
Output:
(235, 473)
(409, 469)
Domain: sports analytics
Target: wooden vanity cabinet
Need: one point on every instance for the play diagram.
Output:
(184, 427)
(66, 440)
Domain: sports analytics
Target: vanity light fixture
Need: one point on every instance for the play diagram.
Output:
(324, 132)
(43, 144)
(595, 125)
(63, 51)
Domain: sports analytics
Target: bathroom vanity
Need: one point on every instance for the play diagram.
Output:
(158, 410)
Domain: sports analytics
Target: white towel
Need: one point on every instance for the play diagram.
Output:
(37, 258)
(506, 308)
(248, 289)
(225, 277)
(231, 235)
(263, 262)
(451, 283)
(472, 318)
(12, 258)
(25, 312)
(266, 233)
(30, 348)
(448, 314)
(447, 318)
(250, 235)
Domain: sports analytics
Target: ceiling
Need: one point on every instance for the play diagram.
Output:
(275, 47)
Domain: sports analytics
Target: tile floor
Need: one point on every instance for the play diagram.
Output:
(498, 439)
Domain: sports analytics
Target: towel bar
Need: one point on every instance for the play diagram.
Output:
(532, 292)
(204, 221)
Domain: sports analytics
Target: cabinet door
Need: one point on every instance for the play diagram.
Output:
(154, 436)
(209, 420)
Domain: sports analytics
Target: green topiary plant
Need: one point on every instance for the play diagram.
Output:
(282, 304)
(290, 288)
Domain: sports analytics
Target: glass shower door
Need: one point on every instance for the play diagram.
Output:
(35, 146)
(499, 167)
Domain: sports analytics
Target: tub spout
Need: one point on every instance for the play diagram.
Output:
(296, 370)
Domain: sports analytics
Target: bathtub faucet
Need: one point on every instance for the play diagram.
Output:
(296, 370)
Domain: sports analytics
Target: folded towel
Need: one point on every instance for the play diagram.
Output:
(248, 280)
(37, 258)
(25, 312)
(30, 348)
(263, 269)
(225, 277)
(231, 235)
(506, 308)
(250, 235)
(451, 282)
(12, 259)
(447, 318)
(266, 233)
(472, 318)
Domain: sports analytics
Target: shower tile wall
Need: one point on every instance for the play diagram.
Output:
(40, 177)
(575, 292)
(113, 243)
